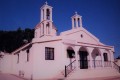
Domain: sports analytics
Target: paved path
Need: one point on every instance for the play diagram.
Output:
(107, 78)
(117, 78)
(8, 77)
(12, 77)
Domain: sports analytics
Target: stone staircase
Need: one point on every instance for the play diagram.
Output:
(59, 76)
(92, 73)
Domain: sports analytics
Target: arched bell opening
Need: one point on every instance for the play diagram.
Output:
(74, 23)
(48, 14)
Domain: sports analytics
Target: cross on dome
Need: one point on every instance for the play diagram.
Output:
(76, 12)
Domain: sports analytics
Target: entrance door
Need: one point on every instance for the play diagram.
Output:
(83, 60)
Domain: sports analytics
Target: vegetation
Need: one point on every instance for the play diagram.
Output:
(118, 57)
(11, 40)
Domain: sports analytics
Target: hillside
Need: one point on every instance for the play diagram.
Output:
(11, 40)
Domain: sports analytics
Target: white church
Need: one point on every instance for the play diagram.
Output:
(74, 54)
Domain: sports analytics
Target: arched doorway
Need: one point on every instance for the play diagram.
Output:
(71, 56)
(83, 55)
(97, 61)
(105, 56)
(70, 53)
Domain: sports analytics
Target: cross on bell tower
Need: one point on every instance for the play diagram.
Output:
(46, 3)
(46, 12)
(76, 21)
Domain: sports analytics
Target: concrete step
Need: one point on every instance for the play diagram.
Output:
(59, 76)
(93, 73)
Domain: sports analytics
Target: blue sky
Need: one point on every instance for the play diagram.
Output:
(100, 17)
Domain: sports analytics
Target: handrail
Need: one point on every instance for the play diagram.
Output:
(69, 68)
(107, 64)
(116, 67)
(97, 63)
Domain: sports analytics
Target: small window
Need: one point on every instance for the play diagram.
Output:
(81, 36)
(49, 53)
(27, 55)
(105, 57)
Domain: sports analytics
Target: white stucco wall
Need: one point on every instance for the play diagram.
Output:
(75, 34)
(23, 65)
(48, 68)
(39, 68)
(6, 63)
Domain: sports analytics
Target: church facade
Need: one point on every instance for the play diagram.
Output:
(50, 55)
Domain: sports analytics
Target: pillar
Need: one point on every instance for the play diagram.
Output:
(42, 29)
(102, 57)
(91, 61)
(76, 22)
(44, 13)
(72, 23)
(50, 14)
(41, 14)
(90, 56)
(112, 58)
(76, 57)
(50, 27)
(45, 28)
(80, 21)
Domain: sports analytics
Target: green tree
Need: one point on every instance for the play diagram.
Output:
(11, 40)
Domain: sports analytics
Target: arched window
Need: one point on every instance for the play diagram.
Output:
(48, 14)
(18, 58)
(105, 57)
(27, 54)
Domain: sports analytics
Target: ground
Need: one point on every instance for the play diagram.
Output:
(13, 77)
(107, 78)
(9, 77)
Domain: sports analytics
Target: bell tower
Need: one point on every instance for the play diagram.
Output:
(46, 20)
(45, 27)
(76, 21)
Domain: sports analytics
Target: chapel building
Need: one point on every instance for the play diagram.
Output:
(68, 55)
